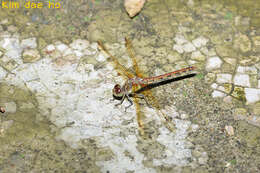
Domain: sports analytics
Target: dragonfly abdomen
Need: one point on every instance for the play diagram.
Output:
(167, 76)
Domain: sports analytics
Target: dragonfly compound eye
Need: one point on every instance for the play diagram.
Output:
(117, 91)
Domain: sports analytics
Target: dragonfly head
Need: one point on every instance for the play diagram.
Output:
(117, 91)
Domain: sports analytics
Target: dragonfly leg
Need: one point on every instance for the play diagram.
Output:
(141, 96)
(122, 100)
(111, 100)
(130, 101)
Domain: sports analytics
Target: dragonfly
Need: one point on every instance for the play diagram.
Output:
(137, 85)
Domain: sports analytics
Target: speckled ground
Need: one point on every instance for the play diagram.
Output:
(56, 88)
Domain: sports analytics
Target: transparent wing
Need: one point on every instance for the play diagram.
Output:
(155, 105)
(147, 93)
(130, 51)
(122, 69)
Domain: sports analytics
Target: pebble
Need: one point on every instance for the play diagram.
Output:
(208, 52)
(210, 77)
(50, 48)
(94, 46)
(213, 63)
(190, 3)
(252, 95)
(242, 42)
(67, 52)
(200, 41)
(242, 80)
(194, 127)
(29, 43)
(4, 126)
(26, 105)
(224, 78)
(229, 130)
(178, 48)
(227, 99)
(101, 57)
(188, 47)
(79, 44)
(256, 108)
(133, 7)
(255, 120)
(246, 69)
(231, 61)
(240, 113)
(12, 28)
(197, 56)
(256, 40)
(203, 159)
(218, 94)
(221, 88)
(10, 43)
(180, 39)
(2, 73)
(214, 86)
(31, 55)
(62, 47)
(10, 107)
(4, 21)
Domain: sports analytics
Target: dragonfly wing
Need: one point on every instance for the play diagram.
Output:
(121, 69)
(155, 104)
(147, 93)
(130, 51)
(139, 114)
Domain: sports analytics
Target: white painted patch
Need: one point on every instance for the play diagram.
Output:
(176, 152)
(68, 94)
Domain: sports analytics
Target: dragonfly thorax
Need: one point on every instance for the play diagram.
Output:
(117, 91)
